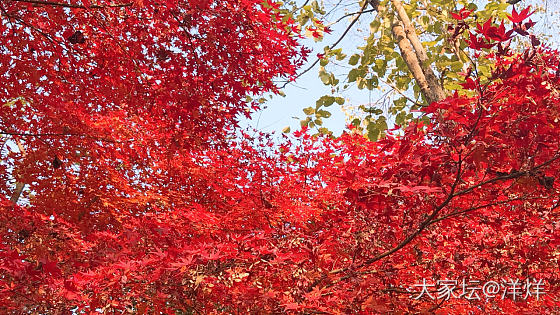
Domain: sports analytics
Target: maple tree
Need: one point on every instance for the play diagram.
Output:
(123, 190)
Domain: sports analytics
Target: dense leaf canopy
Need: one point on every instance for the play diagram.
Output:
(116, 124)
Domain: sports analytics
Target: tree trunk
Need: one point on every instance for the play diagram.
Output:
(414, 54)
(436, 90)
(411, 60)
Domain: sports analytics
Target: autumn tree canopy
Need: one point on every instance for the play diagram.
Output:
(127, 186)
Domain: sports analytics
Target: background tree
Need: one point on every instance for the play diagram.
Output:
(414, 48)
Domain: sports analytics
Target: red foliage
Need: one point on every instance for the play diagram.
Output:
(139, 203)
(462, 14)
(518, 17)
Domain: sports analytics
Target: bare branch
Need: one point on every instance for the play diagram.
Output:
(399, 91)
(512, 175)
(424, 223)
(351, 14)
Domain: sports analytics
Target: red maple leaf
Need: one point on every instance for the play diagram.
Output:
(462, 14)
(521, 16)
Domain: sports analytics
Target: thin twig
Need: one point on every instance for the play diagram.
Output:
(392, 86)
(457, 213)
(513, 175)
(351, 14)
(332, 46)
(424, 223)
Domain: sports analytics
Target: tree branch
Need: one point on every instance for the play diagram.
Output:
(351, 14)
(411, 60)
(431, 219)
(76, 6)
(497, 203)
(508, 176)
(423, 225)
(396, 89)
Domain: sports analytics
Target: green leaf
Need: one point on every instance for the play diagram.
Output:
(353, 75)
(373, 134)
(400, 119)
(361, 83)
(305, 122)
(324, 76)
(354, 60)
(309, 110)
(325, 100)
(374, 26)
(325, 131)
(372, 83)
(323, 113)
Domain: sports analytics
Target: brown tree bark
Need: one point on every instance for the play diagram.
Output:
(406, 36)
(411, 60)
(413, 53)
